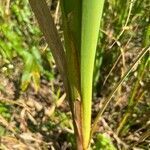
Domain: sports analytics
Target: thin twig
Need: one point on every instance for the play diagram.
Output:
(112, 69)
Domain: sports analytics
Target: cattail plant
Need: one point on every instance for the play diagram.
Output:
(81, 21)
(75, 59)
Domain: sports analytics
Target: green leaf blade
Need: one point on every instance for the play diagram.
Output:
(91, 16)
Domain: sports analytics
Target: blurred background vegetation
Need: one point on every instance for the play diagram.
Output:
(31, 90)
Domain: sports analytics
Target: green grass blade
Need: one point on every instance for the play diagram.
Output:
(91, 16)
(71, 11)
(71, 17)
(71, 27)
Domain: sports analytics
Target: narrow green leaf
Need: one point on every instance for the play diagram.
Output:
(72, 16)
(91, 17)
(72, 34)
